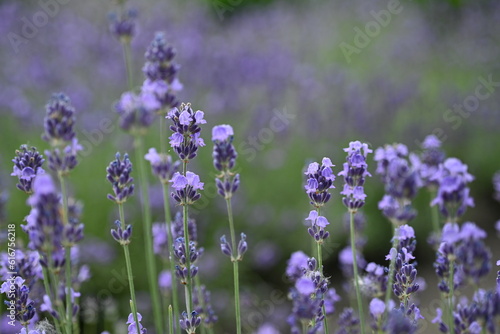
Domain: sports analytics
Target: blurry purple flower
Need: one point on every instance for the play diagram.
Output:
(27, 165)
(132, 328)
(331, 298)
(377, 307)
(267, 328)
(222, 132)
(165, 280)
(305, 286)
(296, 265)
(405, 232)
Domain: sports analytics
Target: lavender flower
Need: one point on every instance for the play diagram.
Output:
(161, 73)
(64, 160)
(59, 121)
(178, 227)
(185, 188)
(224, 156)
(354, 173)
(123, 25)
(317, 229)
(160, 240)
(137, 112)
(27, 165)
(44, 223)
(348, 322)
(401, 180)
(165, 281)
(159, 62)
(204, 306)
(122, 236)
(453, 194)
(162, 165)
(132, 327)
(181, 254)
(189, 323)
(118, 174)
(26, 265)
(319, 180)
(17, 293)
(374, 282)
(186, 137)
(296, 265)
(431, 157)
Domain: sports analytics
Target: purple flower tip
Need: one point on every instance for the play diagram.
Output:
(305, 286)
(377, 307)
(222, 132)
(44, 185)
(152, 156)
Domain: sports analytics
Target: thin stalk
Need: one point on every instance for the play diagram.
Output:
(55, 279)
(128, 64)
(148, 238)
(188, 288)
(168, 221)
(451, 283)
(435, 214)
(163, 142)
(235, 267)
(170, 320)
(131, 285)
(69, 310)
(355, 270)
(49, 293)
(129, 272)
(391, 273)
(200, 300)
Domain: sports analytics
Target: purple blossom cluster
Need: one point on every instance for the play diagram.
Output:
(27, 165)
(319, 180)
(355, 171)
(453, 195)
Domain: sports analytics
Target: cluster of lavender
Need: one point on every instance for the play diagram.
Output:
(310, 294)
(53, 227)
(402, 181)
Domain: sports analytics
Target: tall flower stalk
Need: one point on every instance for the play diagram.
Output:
(185, 142)
(224, 158)
(119, 175)
(354, 172)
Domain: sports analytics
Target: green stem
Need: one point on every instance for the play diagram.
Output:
(129, 271)
(148, 238)
(131, 285)
(69, 310)
(57, 301)
(49, 293)
(235, 267)
(168, 220)
(188, 288)
(356, 276)
(170, 320)
(435, 214)
(451, 283)
(391, 273)
(197, 283)
(163, 142)
(128, 64)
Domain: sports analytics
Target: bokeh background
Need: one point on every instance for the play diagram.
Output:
(245, 63)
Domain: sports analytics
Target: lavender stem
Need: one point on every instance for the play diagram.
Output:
(189, 284)
(168, 221)
(148, 238)
(128, 64)
(235, 267)
(129, 272)
(451, 283)
(355, 270)
(391, 273)
(69, 310)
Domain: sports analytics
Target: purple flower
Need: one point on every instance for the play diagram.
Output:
(122, 236)
(186, 128)
(405, 232)
(137, 112)
(319, 181)
(377, 307)
(118, 174)
(165, 280)
(204, 306)
(27, 165)
(132, 327)
(123, 26)
(354, 173)
(296, 265)
(453, 194)
(162, 165)
(224, 158)
(222, 132)
(59, 120)
(305, 286)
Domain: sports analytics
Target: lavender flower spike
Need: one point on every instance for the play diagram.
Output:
(59, 121)
(186, 188)
(187, 128)
(123, 26)
(319, 180)
(118, 174)
(355, 171)
(122, 236)
(27, 165)
(162, 165)
(224, 156)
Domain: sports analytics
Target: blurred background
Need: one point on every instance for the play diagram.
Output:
(298, 80)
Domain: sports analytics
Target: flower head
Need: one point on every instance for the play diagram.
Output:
(118, 174)
(27, 165)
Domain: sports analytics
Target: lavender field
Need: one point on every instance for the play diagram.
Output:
(236, 167)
